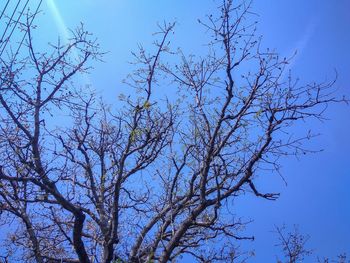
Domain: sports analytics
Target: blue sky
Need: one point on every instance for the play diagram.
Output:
(317, 196)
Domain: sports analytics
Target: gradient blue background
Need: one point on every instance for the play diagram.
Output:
(317, 195)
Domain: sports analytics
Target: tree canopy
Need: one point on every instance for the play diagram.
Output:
(155, 179)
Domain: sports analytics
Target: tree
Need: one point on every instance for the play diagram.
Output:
(293, 244)
(294, 249)
(150, 181)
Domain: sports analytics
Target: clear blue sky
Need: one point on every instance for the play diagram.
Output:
(317, 196)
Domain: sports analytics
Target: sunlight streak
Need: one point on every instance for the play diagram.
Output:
(59, 20)
(64, 33)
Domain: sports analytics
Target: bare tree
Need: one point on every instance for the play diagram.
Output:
(293, 244)
(342, 258)
(155, 179)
